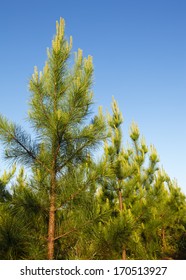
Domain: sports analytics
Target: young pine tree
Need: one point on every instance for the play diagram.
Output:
(59, 106)
(121, 169)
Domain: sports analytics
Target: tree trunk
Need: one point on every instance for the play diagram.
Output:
(51, 223)
(164, 245)
(120, 201)
(124, 254)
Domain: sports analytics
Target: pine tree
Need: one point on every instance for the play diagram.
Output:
(13, 231)
(139, 198)
(121, 169)
(60, 103)
(72, 207)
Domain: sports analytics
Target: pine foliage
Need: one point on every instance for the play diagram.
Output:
(72, 205)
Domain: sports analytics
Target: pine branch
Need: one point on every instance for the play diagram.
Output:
(13, 136)
(76, 229)
(66, 233)
(73, 155)
(72, 196)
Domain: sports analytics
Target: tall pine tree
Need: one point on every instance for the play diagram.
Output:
(60, 103)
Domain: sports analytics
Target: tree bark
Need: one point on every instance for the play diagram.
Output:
(124, 254)
(163, 239)
(51, 222)
(120, 201)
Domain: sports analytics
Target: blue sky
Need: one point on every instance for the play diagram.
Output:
(139, 54)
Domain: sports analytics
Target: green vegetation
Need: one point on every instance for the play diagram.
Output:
(71, 206)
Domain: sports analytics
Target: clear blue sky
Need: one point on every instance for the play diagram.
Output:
(139, 54)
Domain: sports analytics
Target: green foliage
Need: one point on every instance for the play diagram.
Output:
(72, 206)
(13, 236)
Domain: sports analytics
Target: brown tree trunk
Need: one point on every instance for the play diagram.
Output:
(120, 201)
(124, 254)
(163, 239)
(51, 222)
